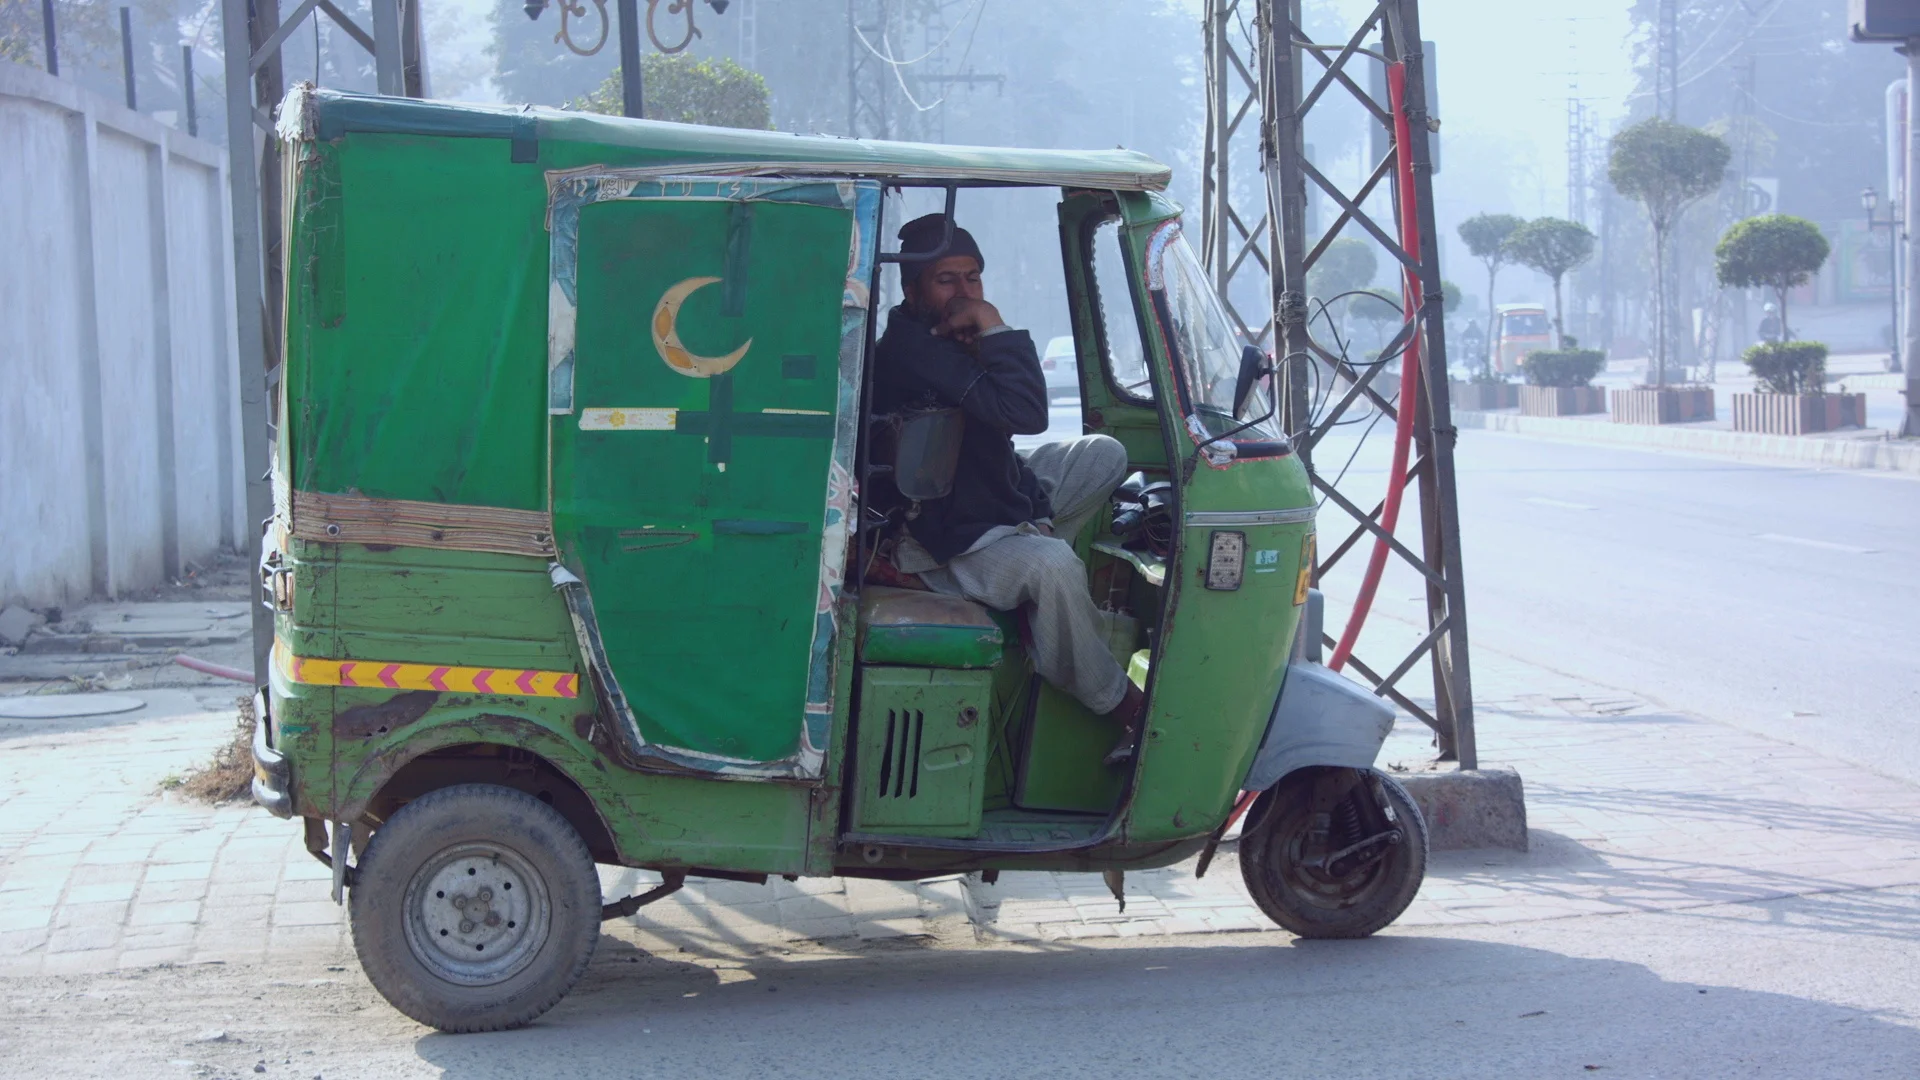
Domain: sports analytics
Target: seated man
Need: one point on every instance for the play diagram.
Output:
(1003, 536)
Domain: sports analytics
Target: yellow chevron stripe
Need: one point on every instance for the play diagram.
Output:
(390, 675)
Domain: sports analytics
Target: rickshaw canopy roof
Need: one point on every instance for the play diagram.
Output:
(317, 113)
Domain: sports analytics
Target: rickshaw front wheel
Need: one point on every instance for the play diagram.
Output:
(1342, 871)
(475, 908)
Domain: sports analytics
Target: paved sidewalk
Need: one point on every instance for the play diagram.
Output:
(1631, 808)
(101, 868)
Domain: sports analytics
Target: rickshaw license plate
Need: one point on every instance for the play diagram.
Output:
(1226, 560)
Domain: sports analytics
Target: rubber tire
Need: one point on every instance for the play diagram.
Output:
(1386, 895)
(474, 813)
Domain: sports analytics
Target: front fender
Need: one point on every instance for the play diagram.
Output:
(1320, 719)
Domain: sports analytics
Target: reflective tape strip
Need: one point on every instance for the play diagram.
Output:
(382, 674)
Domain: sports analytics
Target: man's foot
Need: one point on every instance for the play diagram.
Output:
(1129, 714)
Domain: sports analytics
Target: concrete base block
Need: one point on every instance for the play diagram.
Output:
(1485, 808)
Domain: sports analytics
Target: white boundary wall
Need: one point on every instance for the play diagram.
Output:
(118, 400)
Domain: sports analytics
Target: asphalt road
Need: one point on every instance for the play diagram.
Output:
(1816, 986)
(1783, 600)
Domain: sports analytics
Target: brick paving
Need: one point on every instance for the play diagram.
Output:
(1631, 809)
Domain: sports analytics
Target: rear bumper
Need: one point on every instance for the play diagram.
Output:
(272, 777)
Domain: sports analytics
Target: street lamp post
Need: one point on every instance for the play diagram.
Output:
(1870, 201)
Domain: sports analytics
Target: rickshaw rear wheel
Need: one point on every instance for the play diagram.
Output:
(475, 908)
(1288, 870)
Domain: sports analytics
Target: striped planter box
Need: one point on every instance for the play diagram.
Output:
(1482, 397)
(1798, 414)
(1562, 400)
(1669, 406)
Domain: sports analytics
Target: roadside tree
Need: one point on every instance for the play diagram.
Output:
(1552, 246)
(1771, 251)
(689, 90)
(1665, 167)
(1348, 265)
(1486, 239)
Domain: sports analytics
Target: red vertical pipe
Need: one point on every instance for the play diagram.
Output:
(1409, 370)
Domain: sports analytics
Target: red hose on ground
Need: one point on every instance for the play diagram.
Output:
(209, 668)
(1409, 372)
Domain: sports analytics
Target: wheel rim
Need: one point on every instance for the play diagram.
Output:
(477, 914)
(1314, 885)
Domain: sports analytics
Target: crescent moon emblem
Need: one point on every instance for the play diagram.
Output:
(666, 335)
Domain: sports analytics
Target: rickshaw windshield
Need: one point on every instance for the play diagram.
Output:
(1205, 343)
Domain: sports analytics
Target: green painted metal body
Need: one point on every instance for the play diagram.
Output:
(420, 366)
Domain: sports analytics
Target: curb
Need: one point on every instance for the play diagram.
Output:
(1485, 808)
(1882, 454)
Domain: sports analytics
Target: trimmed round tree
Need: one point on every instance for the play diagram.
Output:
(692, 90)
(1486, 238)
(1770, 251)
(1552, 246)
(1348, 264)
(1665, 167)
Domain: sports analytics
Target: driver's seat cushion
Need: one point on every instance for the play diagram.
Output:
(926, 629)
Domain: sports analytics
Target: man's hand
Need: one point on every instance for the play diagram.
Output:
(965, 318)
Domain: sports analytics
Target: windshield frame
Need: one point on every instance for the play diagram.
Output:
(1103, 317)
(1237, 438)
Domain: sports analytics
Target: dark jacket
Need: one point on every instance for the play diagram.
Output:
(998, 387)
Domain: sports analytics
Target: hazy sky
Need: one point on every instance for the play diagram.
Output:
(1507, 68)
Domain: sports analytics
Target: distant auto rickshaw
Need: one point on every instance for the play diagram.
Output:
(571, 519)
(1521, 329)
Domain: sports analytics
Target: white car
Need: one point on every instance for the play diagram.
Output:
(1062, 370)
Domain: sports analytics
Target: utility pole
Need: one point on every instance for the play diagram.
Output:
(1576, 161)
(1297, 75)
(1910, 425)
(253, 34)
(1897, 22)
(867, 74)
(1666, 75)
(748, 51)
(1231, 248)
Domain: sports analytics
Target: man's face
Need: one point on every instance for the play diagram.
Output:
(943, 281)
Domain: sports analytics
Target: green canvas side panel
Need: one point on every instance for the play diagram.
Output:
(417, 321)
(693, 507)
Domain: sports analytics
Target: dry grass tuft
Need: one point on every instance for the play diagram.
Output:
(229, 777)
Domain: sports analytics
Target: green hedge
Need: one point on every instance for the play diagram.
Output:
(1788, 367)
(1563, 367)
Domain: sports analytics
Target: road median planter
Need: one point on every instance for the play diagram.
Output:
(1798, 414)
(1562, 400)
(1671, 405)
(1483, 397)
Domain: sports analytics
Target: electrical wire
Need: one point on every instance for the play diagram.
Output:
(1357, 446)
(978, 17)
(1762, 106)
(898, 63)
(1758, 20)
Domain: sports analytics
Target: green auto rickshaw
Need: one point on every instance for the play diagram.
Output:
(572, 517)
